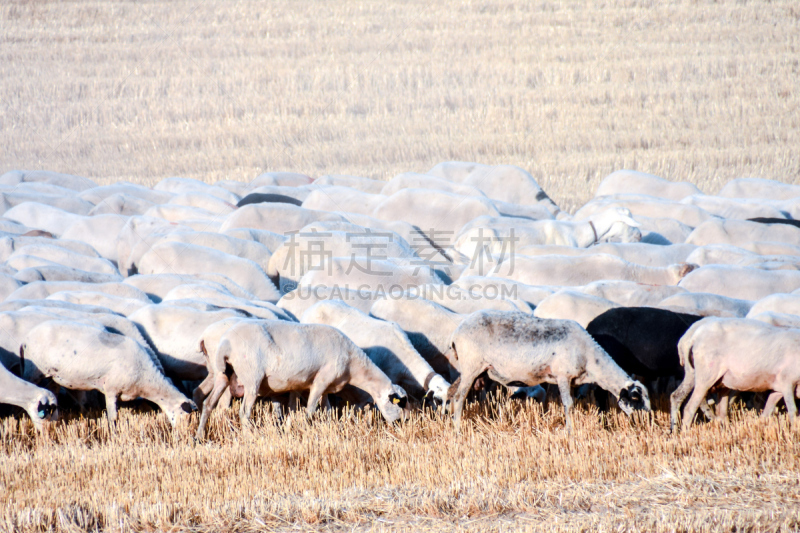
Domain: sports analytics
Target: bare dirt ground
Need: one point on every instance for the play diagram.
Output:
(570, 91)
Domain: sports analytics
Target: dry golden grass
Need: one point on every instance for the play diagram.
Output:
(703, 91)
(513, 467)
(570, 91)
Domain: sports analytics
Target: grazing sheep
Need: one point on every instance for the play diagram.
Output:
(467, 301)
(730, 208)
(428, 326)
(50, 255)
(96, 195)
(69, 353)
(737, 354)
(157, 286)
(385, 344)
(573, 305)
(188, 185)
(354, 182)
(570, 271)
(507, 183)
(663, 231)
(514, 291)
(54, 272)
(16, 305)
(515, 348)
(651, 255)
(342, 199)
(746, 188)
(439, 214)
(781, 320)
(417, 238)
(121, 204)
(40, 404)
(9, 284)
(204, 201)
(281, 179)
(414, 180)
(777, 303)
(742, 232)
(630, 293)
(361, 273)
(274, 198)
(181, 258)
(182, 213)
(42, 216)
(726, 254)
(296, 303)
(307, 250)
(647, 206)
(705, 304)
(39, 290)
(117, 304)
(634, 182)
(68, 181)
(493, 235)
(69, 203)
(272, 357)
(271, 240)
(173, 331)
(98, 231)
(246, 249)
(740, 282)
(135, 237)
(643, 341)
(9, 245)
(277, 218)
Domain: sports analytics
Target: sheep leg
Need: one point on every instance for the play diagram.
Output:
(566, 398)
(203, 390)
(722, 406)
(277, 409)
(461, 393)
(677, 398)
(772, 401)
(220, 384)
(246, 409)
(111, 409)
(698, 396)
(226, 399)
(314, 396)
(791, 405)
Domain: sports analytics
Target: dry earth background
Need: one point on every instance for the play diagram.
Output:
(141, 91)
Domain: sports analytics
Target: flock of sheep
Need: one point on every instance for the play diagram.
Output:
(417, 290)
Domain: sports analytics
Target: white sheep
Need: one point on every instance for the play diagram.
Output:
(40, 404)
(83, 356)
(273, 357)
(737, 354)
(385, 344)
(493, 235)
(515, 348)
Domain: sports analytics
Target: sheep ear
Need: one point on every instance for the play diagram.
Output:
(398, 401)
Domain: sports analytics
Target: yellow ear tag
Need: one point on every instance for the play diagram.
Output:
(396, 400)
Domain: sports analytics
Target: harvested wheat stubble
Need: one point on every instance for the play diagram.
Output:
(571, 91)
(513, 466)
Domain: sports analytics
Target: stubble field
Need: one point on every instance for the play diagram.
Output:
(570, 91)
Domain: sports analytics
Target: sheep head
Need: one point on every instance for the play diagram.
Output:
(617, 225)
(392, 403)
(634, 397)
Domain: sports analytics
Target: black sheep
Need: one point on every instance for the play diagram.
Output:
(643, 341)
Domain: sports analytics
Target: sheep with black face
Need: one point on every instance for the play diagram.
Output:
(514, 347)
